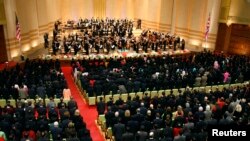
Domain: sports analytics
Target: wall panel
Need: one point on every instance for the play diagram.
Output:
(239, 40)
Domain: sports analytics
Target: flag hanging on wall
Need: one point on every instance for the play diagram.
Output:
(18, 30)
(207, 27)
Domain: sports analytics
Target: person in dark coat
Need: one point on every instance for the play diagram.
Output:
(151, 137)
(100, 106)
(56, 131)
(119, 130)
(141, 135)
(128, 136)
(109, 116)
(72, 104)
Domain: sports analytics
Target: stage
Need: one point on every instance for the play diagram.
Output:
(115, 54)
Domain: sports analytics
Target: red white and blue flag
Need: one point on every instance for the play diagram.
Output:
(207, 27)
(18, 30)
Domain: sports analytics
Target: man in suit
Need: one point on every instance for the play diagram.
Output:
(128, 136)
(46, 40)
(182, 44)
(100, 106)
(141, 135)
(72, 104)
(61, 104)
(118, 130)
(151, 137)
(56, 131)
(139, 24)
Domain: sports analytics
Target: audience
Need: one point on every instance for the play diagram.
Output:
(30, 86)
(175, 120)
(159, 72)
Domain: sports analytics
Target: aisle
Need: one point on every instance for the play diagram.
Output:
(89, 114)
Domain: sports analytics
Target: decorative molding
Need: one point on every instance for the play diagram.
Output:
(241, 20)
(180, 29)
(224, 9)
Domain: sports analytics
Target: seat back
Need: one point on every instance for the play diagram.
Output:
(132, 95)
(91, 101)
(153, 94)
(124, 97)
(140, 94)
(107, 97)
(116, 97)
(2, 102)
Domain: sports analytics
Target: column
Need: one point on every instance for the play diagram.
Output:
(100, 8)
(173, 18)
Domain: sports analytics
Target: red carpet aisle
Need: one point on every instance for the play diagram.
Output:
(89, 113)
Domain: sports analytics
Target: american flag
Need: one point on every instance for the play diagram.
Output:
(18, 30)
(207, 27)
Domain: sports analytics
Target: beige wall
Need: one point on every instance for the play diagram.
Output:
(191, 18)
(35, 17)
(235, 11)
(155, 15)
(2, 13)
(120, 9)
(74, 9)
(239, 12)
(186, 18)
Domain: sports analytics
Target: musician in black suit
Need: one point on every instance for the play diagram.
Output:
(46, 40)
(139, 24)
(182, 44)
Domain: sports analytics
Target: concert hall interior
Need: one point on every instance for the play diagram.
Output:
(85, 61)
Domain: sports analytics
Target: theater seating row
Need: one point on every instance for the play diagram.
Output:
(108, 131)
(207, 89)
(13, 101)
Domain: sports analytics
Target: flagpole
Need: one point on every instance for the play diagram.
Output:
(18, 37)
(206, 43)
(20, 50)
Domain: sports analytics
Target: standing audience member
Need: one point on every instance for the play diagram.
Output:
(66, 93)
(101, 106)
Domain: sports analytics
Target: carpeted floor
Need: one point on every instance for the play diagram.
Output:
(89, 114)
